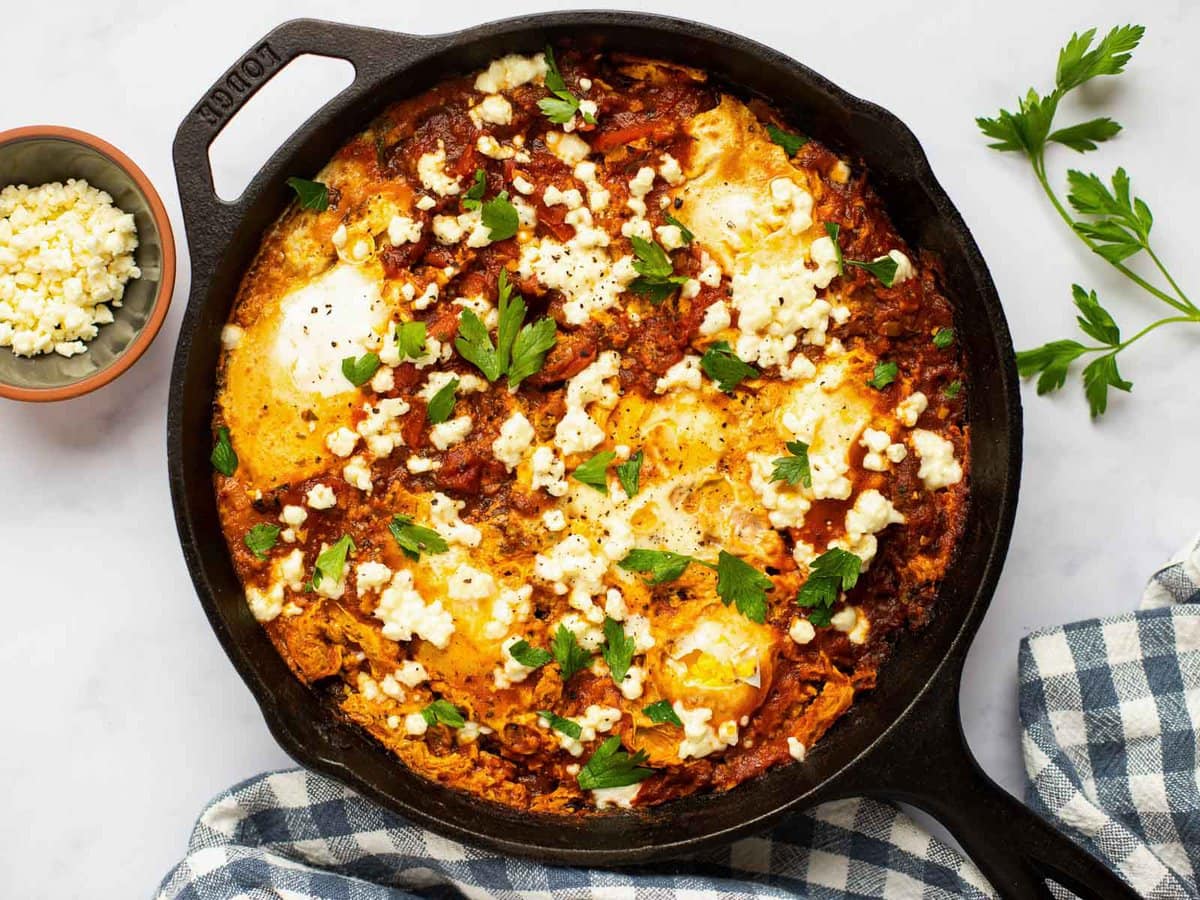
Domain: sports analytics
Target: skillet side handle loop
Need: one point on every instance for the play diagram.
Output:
(931, 767)
(370, 51)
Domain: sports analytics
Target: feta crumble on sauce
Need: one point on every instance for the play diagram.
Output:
(574, 346)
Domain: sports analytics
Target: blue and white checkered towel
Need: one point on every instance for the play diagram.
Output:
(1109, 708)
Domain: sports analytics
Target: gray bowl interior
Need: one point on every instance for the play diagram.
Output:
(35, 161)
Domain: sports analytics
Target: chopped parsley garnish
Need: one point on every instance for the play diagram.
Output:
(660, 565)
(569, 727)
(793, 469)
(656, 275)
(261, 538)
(500, 217)
(441, 404)
(629, 473)
(885, 374)
(618, 649)
(684, 233)
(723, 367)
(833, 571)
(223, 458)
(594, 472)
(410, 339)
(571, 658)
(562, 106)
(519, 351)
(443, 712)
(943, 338)
(744, 586)
(527, 655)
(359, 371)
(610, 766)
(952, 390)
(791, 143)
(312, 195)
(473, 198)
(331, 563)
(884, 268)
(416, 539)
(662, 713)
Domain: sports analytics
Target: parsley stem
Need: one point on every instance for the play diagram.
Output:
(1167, 275)
(1141, 334)
(1039, 169)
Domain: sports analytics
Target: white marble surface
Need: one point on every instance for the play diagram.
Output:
(122, 716)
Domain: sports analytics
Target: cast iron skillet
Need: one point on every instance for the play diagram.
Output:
(902, 741)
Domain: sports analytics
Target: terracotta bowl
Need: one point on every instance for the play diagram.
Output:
(45, 153)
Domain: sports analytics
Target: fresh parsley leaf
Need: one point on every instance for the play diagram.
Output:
(885, 374)
(571, 658)
(475, 345)
(656, 279)
(1095, 320)
(618, 649)
(943, 338)
(1086, 135)
(1098, 376)
(530, 348)
(820, 616)
(561, 107)
(410, 339)
(884, 268)
(833, 571)
(610, 766)
(629, 473)
(744, 586)
(569, 727)
(833, 229)
(473, 198)
(793, 469)
(500, 217)
(687, 236)
(261, 538)
(1050, 362)
(441, 404)
(660, 565)
(359, 371)
(1077, 63)
(952, 390)
(312, 195)
(594, 472)
(416, 539)
(662, 713)
(1121, 224)
(443, 712)
(723, 367)
(791, 143)
(527, 655)
(223, 457)
(511, 309)
(331, 562)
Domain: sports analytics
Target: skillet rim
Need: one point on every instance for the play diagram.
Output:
(315, 747)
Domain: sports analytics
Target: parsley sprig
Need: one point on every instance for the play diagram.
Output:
(312, 195)
(560, 108)
(618, 649)
(662, 713)
(359, 371)
(443, 712)
(224, 459)
(793, 468)
(594, 472)
(629, 473)
(1112, 222)
(416, 539)
(738, 582)
(656, 273)
(410, 339)
(569, 727)
(571, 657)
(831, 573)
(331, 562)
(261, 538)
(519, 351)
(610, 766)
(722, 365)
(528, 655)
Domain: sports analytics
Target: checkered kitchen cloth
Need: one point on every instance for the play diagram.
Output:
(1109, 707)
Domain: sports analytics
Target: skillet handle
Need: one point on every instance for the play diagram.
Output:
(931, 767)
(372, 52)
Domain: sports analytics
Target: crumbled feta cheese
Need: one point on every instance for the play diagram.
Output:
(410, 673)
(357, 472)
(341, 442)
(431, 169)
(446, 434)
(419, 465)
(515, 438)
(492, 109)
(699, 737)
(871, 513)
(795, 749)
(685, 374)
(510, 72)
(231, 336)
(904, 267)
(415, 724)
(426, 203)
(582, 269)
(405, 613)
(598, 194)
(802, 631)
(383, 380)
(631, 684)
(510, 605)
(443, 514)
(909, 410)
(939, 468)
(470, 585)
(670, 170)
(548, 471)
(320, 496)
(786, 504)
(66, 252)
(403, 230)
(577, 432)
(716, 319)
(511, 671)
(554, 520)
(596, 719)
(523, 185)
(670, 236)
(293, 516)
(265, 605)
(570, 148)
(492, 148)
(371, 575)
(620, 797)
(571, 567)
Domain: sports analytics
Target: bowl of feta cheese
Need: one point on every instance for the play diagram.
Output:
(87, 263)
